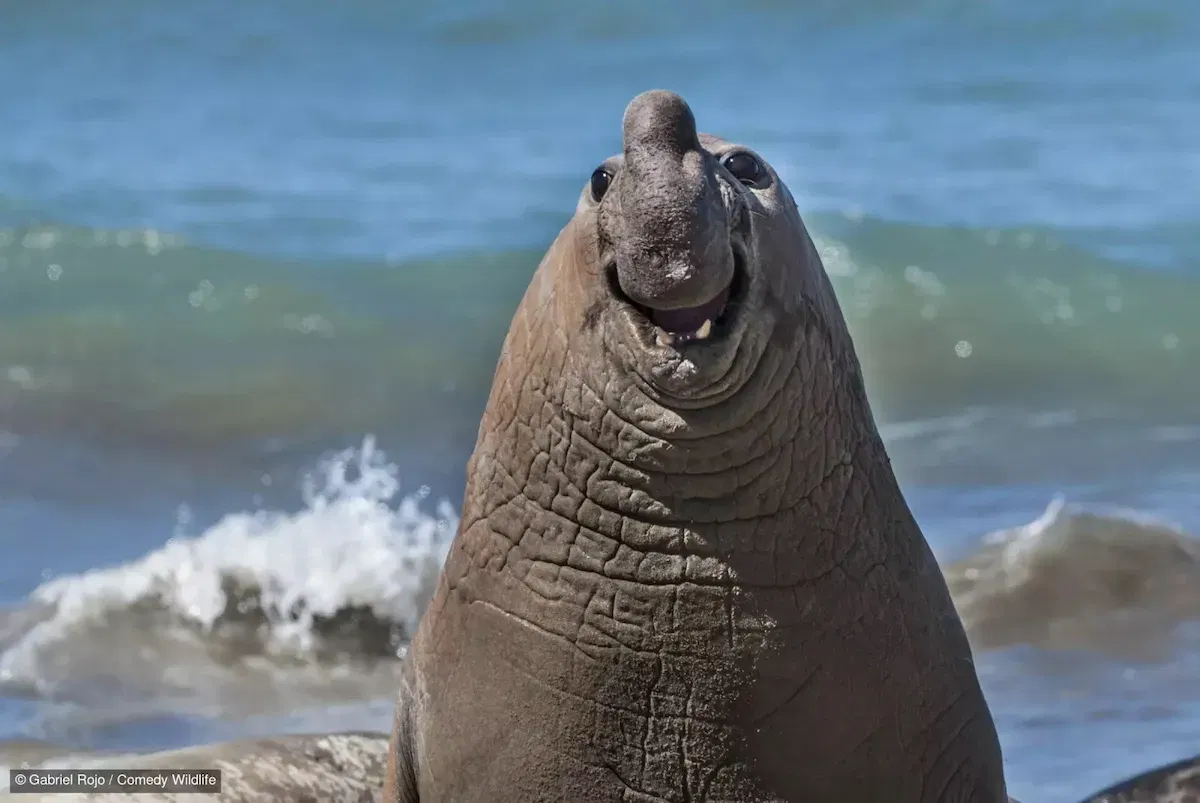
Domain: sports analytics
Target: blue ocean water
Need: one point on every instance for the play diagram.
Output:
(256, 260)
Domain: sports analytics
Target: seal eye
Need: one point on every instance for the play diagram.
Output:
(744, 167)
(600, 182)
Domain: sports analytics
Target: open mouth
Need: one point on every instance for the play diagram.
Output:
(679, 327)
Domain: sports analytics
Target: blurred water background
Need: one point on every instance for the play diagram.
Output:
(256, 260)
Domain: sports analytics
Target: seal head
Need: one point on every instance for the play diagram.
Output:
(674, 215)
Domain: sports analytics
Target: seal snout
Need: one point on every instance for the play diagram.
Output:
(660, 120)
(671, 230)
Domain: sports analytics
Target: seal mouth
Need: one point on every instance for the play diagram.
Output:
(679, 327)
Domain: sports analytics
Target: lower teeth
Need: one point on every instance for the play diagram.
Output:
(666, 338)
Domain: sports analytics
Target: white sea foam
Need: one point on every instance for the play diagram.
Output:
(355, 557)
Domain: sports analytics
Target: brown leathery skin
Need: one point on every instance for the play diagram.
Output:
(688, 574)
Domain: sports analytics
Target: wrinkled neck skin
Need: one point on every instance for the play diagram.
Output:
(667, 458)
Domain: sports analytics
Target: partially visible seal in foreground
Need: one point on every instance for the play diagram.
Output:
(1178, 782)
(685, 570)
(330, 768)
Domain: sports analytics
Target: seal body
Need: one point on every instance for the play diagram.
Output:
(685, 570)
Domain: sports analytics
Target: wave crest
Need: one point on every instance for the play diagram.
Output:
(1078, 578)
(346, 576)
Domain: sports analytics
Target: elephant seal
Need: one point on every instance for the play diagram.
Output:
(300, 769)
(1178, 782)
(684, 569)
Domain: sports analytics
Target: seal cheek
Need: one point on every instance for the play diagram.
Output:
(593, 315)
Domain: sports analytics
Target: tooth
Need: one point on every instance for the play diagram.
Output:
(665, 338)
(705, 329)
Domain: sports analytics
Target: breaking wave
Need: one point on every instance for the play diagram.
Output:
(261, 599)
(1110, 580)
